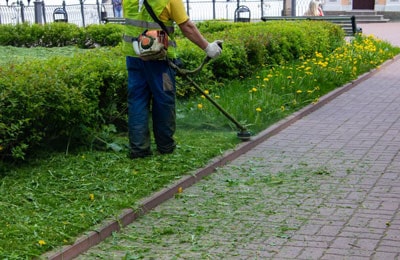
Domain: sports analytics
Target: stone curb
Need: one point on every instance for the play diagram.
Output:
(93, 238)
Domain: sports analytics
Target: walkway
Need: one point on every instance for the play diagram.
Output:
(326, 187)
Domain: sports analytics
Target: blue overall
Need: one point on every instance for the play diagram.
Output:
(151, 89)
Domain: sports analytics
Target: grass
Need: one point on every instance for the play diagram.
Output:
(14, 54)
(51, 199)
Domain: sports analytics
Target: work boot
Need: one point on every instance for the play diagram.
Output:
(135, 155)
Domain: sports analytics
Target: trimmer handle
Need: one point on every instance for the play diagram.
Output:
(207, 59)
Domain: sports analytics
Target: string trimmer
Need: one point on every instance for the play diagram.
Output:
(243, 133)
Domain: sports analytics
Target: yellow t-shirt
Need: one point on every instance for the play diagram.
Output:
(175, 11)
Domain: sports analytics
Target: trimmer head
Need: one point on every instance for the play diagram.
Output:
(244, 135)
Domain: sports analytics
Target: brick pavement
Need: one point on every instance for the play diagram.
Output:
(326, 187)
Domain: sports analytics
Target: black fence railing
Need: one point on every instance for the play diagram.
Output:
(85, 14)
(79, 14)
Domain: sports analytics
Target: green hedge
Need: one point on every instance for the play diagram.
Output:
(248, 46)
(68, 98)
(59, 34)
(61, 98)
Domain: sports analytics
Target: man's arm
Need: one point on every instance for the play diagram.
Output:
(191, 32)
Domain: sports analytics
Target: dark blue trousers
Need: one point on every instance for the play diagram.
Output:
(151, 90)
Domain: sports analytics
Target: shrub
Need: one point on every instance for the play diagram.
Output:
(103, 35)
(247, 46)
(60, 98)
(60, 34)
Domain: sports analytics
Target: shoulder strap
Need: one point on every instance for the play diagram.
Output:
(154, 16)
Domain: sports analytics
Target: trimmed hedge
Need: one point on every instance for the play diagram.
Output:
(73, 97)
(61, 98)
(248, 46)
(59, 35)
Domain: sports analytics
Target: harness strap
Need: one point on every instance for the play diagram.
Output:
(131, 39)
(145, 24)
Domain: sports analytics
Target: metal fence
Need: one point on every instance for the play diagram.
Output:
(79, 14)
(86, 14)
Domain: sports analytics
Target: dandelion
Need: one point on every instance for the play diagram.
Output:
(206, 92)
(266, 79)
(202, 96)
(258, 109)
(200, 106)
(41, 242)
(180, 190)
(289, 77)
(299, 91)
(91, 196)
(283, 108)
(254, 89)
(217, 97)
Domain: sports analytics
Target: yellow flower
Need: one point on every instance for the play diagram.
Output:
(206, 92)
(254, 89)
(266, 79)
(217, 96)
(299, 91)
(258, 109)
(199, 106)
(180, 190)
(91, 196)
(202, 96)
(41, 242)
(283, 108)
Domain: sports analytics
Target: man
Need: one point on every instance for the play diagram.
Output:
(151, 82)
(117, 5)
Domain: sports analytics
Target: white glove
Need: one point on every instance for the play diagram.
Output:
(213, 49)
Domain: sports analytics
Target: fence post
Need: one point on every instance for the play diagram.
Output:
(187, 7)
(213, 5)
(22, 12)
(38, 11)
(83, 13)
(294, 8)
(98, 11)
